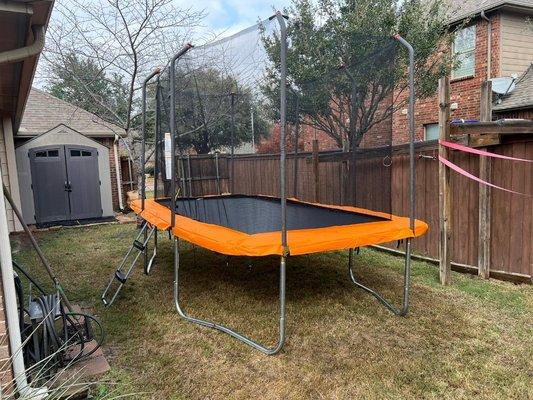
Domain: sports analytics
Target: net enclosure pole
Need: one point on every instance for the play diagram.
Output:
(232, 150)
(173, 132)
(282, 278)
(282, 122)
(143, 143)
(296, 134)
(158, 142)
(407, 267)
(411, 111)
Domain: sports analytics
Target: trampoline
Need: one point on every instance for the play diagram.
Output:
(235, 86)
(240, 225)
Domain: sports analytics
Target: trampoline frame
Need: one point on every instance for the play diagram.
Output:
(283, 200)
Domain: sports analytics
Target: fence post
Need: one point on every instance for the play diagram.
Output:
(444, 184)
(485, 169)
(315, 168)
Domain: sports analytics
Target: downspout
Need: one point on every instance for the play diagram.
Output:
(117, 173)
(6, 266)
(489, 43)
(31, 50)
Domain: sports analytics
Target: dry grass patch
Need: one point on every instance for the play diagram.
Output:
(470, 340)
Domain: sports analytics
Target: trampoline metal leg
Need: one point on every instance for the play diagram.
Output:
(225, 329)
(406, 278)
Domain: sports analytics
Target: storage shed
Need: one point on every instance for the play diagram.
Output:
(66, 162)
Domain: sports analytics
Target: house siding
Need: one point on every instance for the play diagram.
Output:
(516, 50)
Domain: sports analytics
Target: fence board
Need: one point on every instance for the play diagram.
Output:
(512, 215)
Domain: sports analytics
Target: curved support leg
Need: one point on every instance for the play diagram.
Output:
(229, 331)
(406, 278)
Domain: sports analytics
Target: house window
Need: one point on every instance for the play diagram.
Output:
(431, 131)
(464, 47)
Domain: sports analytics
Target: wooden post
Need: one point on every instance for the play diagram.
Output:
(485, 169)
(444, 184)
(315, 168)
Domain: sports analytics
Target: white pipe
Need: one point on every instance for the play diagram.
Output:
(117, 173)
(22, 53)
(10, 300)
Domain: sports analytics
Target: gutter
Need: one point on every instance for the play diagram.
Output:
(18, 8)
(516, 4)
(31, 50)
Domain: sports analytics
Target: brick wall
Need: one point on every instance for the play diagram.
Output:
(108, 142)
(5, 364)
(306, 135)
(465, 91)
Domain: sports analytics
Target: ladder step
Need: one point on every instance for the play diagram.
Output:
(138, 245)
(121, 276)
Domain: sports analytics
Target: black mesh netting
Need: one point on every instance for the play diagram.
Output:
(227, 106)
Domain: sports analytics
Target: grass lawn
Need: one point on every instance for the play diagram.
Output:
(473, 339)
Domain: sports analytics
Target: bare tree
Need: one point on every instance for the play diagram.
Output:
(126, 38)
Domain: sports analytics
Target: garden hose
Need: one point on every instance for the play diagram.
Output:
(53, 330)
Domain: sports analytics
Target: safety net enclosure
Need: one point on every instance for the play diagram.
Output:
(228, 93)
(256, 84)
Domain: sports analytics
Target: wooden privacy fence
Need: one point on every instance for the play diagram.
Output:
(323, 177)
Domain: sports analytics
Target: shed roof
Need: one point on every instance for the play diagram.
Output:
(462, 9)
(44, 112)
(522, 95)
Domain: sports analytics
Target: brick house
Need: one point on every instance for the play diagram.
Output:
(495, 42)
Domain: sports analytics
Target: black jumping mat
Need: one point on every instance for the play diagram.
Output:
(258, 214)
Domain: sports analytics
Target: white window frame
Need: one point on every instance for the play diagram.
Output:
(458, 73)
(425, 131)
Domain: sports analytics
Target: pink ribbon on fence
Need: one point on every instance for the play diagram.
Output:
(467, 149)
(461, 171)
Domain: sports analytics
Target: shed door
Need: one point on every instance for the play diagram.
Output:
(49, 179)
(84, 182)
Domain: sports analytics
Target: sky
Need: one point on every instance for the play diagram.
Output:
(226, 17)
(222, 18)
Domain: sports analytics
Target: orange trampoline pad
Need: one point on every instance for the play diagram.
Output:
(300, 241)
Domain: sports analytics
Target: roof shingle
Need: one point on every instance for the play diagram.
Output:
(461, 9)
(521, 96)
(44, 112)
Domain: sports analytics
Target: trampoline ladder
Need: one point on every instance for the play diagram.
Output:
(139, 247)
